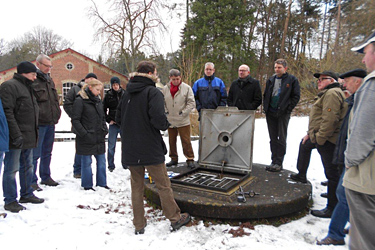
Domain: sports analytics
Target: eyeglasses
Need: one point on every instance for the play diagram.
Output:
(48, 66)
(324, 78)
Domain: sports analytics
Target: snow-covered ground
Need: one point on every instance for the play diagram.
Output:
(71, 218)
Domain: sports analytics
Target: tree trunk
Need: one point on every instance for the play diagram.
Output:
(285, 30)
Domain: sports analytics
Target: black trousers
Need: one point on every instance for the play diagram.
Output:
(277, 130)
(331, 170)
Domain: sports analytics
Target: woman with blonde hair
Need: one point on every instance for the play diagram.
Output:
(89, 125)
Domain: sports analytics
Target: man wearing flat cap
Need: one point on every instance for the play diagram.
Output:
(359, 178)
(325, 119)
(68, 107)
(352, 80)
(110, 103)
(21, 111)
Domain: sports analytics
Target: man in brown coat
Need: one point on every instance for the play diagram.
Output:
(325, 120)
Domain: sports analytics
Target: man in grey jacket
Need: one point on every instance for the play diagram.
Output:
(359, 179)
(179, 102)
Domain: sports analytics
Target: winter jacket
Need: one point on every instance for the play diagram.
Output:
(70, 97)
(289, 95)
(338, 153)
(327, 114)
(4, 130)
(245, 94)
(110, 103)
(47, 98)
(21, 111)
(89, 125)
(360, 150)
(141, 116)
(209, 93)
(179, 107)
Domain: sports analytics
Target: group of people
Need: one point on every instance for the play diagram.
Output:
(30, 109)
(340, 128)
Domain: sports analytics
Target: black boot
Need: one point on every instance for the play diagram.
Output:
(324, 213)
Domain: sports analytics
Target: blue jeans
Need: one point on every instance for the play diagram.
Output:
(340, 214)
(44, 152)
(113, 131)
(77, 164)
(1, 159)
(17, 160)
(86, 174)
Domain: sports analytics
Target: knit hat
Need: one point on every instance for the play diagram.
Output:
(26, 67)
(115, 79)
(89, 75)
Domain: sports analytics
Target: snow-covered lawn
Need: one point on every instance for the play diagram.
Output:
(71, 218)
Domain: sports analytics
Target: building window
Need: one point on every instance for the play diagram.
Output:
(69, 66)
(66, 87)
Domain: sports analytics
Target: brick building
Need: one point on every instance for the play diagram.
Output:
(69, 67)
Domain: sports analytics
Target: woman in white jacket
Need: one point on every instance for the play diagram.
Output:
(179, 102)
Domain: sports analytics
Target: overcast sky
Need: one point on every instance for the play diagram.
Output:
(68, 19)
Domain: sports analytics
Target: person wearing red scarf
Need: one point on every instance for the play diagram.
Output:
(179, 102)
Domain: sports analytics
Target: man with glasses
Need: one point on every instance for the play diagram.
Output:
(325, 119)
(245, 92)
(49, 115)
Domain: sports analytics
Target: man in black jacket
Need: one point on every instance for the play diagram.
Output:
(49, 115)
(21, 111)
(245, 92)
(68, 107)
(110, 103)
(281, 95)
(141, 117)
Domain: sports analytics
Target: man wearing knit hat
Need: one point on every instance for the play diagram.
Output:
(21, 111)
(110, 102)
(68, 107)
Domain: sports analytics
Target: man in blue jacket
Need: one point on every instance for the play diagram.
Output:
(4, 134)
(209, 91)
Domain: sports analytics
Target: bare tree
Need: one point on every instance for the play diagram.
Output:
(46, 41)
(285, 29)
(130, 30)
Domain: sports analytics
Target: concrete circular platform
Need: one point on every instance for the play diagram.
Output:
(278, 195)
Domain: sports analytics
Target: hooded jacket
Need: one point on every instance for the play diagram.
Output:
(141, 116)
(178, 107)
(327, 114)
(47, 98)
(89, 125)
(21, 111)
(245, 94)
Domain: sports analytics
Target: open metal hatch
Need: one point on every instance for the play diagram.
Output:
(226, 139)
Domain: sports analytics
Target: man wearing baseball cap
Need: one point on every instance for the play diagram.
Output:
(68, 107)
(325, 119)
(359, 178)
(21, 111)
(352, 80)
